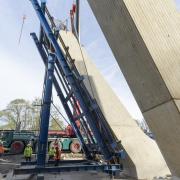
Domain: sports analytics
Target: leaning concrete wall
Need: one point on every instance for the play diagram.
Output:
(144, 36)
(145, 160)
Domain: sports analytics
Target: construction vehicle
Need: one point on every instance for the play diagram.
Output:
(15, 141)
(67, 140)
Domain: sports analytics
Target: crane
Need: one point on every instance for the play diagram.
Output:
(22, 26)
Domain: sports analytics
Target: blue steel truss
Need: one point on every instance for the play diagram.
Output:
(96, 135)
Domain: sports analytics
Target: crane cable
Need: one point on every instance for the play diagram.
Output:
(22, 26)
(60, 113)
(57, 109)
(55, 120)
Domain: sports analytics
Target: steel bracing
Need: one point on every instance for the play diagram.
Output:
(95, 135)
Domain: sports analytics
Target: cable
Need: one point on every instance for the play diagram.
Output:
(52, 115)
(56, 122)
(60, 113)
(24, 18)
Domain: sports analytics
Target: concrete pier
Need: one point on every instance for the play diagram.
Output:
(144, 160)
(144, 36)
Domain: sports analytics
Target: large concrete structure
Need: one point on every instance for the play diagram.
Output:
(144, 36)
(145, 160)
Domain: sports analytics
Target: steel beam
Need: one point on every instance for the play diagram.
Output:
(45, 112)
(61, 96)
(70, 77)
(43, 7)
(38, 170)
(60, 163)
(78, 18)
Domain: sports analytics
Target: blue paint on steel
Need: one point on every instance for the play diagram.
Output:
(110, 169)
(98, 118)
(73, 83)
(45, 112)
(41, 34)
(62, 162)
(61, 96)
(122, 154)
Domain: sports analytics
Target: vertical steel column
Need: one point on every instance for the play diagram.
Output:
(78, 18)
(45, 113)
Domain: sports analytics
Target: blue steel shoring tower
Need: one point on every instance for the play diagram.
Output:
(61, 72)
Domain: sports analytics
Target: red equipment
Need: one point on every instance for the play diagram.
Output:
(74, 8)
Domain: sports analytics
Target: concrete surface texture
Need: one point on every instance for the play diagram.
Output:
(144, 37)
(144, 158)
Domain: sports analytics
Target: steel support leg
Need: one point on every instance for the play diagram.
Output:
(45, 112)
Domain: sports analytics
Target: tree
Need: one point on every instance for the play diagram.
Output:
(56, 122)
(36, 104)
(24, 115)
(18, 114)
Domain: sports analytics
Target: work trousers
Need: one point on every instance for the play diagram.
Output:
(28, 159)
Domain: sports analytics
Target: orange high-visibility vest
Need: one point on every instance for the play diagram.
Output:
(1, 150)
(57, 154)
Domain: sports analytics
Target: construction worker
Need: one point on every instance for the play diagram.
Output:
(56, 142)
(28, 153)
(52, 153)
(1, 148)
(57, 155)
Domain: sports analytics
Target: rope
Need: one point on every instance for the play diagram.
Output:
(56, 122)
(60, 113)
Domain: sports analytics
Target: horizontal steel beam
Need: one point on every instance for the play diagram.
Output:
(53, 162)
(44, 170)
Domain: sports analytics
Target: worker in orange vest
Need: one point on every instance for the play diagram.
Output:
(1, 148)
(56, 143)
(57, 155)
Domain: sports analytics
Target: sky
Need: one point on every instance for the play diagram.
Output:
(21, 68)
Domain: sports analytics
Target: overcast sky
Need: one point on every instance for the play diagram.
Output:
(21, 69)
